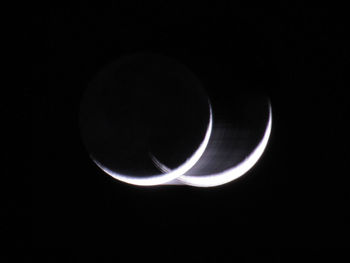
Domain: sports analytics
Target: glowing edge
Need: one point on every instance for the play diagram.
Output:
(235, 172)
(171, 175)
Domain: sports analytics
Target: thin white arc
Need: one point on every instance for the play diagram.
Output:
(159, 165)
(235, 172)
(170, 175)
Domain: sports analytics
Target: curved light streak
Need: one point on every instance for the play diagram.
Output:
(159, 165)
(170, 175)
(235, 172)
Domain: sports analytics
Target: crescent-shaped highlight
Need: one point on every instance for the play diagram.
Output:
(170, 175)
(235, 172)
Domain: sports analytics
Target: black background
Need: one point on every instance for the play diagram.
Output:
(296, 196)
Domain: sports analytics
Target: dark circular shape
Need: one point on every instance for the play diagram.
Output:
(139, 105)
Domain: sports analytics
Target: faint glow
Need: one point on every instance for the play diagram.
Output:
(169, 175)
(235, 172)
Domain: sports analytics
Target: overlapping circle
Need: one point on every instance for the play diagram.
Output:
(146, 120)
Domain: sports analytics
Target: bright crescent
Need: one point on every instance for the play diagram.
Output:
(235, 172)
(170, 175)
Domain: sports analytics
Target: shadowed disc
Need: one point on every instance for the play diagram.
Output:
(143, 105)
